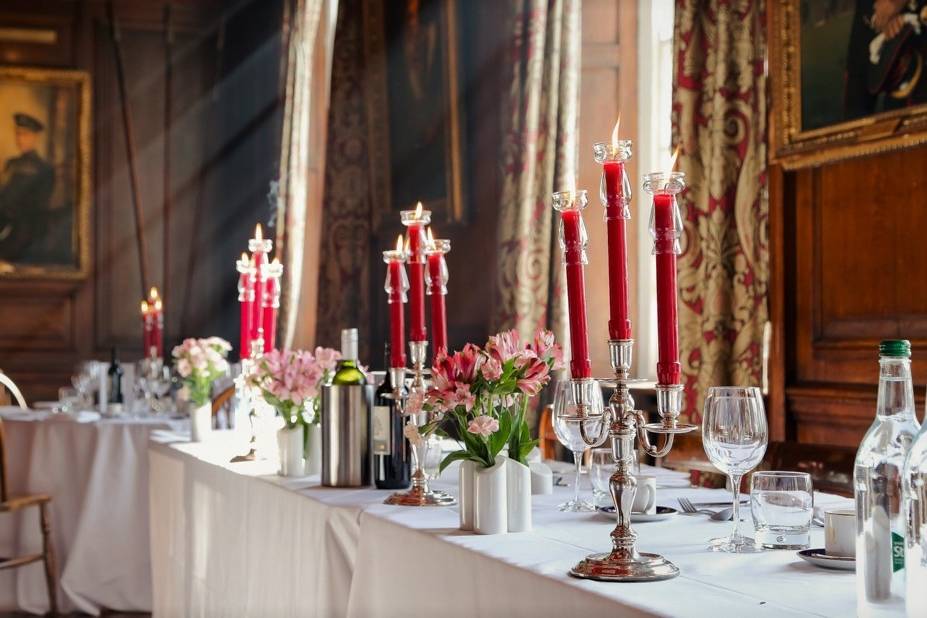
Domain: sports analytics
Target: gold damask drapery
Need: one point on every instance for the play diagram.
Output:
(719, 122)
(539, 155)
(309, 35)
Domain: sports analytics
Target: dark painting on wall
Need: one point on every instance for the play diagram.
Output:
(860, 57)
(44, 172)
(414, 107)
(848, 77)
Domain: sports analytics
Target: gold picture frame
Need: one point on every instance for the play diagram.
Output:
(794, 147)
(54, 104)
(383, 104)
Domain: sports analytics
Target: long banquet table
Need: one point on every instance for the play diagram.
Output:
(96, 471)
(235, 539)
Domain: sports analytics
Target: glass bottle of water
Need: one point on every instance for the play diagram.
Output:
(914, 488)
(880, 519)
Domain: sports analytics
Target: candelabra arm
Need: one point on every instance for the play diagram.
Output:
(644, 439)
(584, 389)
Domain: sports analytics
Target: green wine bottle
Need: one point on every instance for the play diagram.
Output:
(348, 370)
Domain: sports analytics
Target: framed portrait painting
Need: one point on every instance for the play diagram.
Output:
(848, 78)
(44, 173)
(413, 107)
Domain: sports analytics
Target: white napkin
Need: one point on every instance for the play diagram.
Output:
(542, 479)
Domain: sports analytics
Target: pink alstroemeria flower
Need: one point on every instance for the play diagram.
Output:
(504, 346)
(547, 349)
(491, 368)
(535, 377)
(483, 426)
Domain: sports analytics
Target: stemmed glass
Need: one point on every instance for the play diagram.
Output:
(568, 425)
(734, 435)
(601, 467)
(82, 381)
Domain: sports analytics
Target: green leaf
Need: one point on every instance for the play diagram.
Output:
(501, 437)
(452, 457)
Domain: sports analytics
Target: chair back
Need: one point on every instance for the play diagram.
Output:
(223, 399)
(11, 387)
(830, 467)
(4, 495)
(547, 439)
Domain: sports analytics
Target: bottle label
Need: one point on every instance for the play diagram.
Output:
(381, 430)
(897, 552)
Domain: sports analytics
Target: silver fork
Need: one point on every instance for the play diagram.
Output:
(688, 507)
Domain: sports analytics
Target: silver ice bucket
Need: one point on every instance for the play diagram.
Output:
(346, 435)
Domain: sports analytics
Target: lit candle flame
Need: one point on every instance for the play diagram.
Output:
(672, 165)
(615, 132)
(418, 210)
(144, 307)
(258, 232)
(275, 262)
(429, 237)
(244, 256)
(153, 293)
(157, 305)
(399, 243)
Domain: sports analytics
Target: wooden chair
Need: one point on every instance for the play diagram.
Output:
(830, 467)
(547, 439)
(12, 389)
(223, 399)
(9, 504)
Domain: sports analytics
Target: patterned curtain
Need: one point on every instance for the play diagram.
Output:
(344, 270)
(719, 122)
(539, 154)
(309, 34)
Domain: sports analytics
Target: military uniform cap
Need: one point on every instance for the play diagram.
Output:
(26, 121)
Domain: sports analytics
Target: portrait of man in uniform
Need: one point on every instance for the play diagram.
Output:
(43, 173)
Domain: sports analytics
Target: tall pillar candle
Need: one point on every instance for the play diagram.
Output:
(666, 229)
(396, 286)
(573, 241)
(245, 300)
(271, 303)
(415, 221)
(157, 316)
(437, 288)
(259, 248)
(615, 194)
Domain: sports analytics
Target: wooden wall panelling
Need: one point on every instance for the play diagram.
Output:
(223, 158)
(847, 275)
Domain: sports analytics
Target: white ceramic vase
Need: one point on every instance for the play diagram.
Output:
(314, 450)
(490, 506)
(518, 496)
(467, 477)
(290, 443)
(201, 422)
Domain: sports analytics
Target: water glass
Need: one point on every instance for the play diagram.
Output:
(571, 426)
(782, 504)
(601, 468)
(734, 435)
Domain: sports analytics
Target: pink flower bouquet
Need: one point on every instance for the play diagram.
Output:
(487, 391)
(199, 363)
(289, 380)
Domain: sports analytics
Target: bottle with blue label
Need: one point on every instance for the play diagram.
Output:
(877, 481)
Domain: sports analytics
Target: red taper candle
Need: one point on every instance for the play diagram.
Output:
(259, 248)
(436, 287)
(271, 303)
(396, 287)
(147, 328)
(573, 242)
(666, 230)
(246, 300)
(615, 193)
(415, 221)
(156, 311)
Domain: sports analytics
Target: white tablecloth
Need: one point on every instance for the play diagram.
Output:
(234, 539)
(97, 474)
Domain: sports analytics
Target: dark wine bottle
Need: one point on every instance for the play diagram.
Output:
(391, 460)
(115, 378)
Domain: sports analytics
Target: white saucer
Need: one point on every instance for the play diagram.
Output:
(663, 512)
(818, 558)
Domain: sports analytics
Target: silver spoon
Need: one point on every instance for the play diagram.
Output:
(723, 515)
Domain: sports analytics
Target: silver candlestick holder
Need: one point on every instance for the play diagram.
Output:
(411, 406)
(627, 426)
(247, 396)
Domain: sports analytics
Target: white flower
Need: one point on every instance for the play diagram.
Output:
(411, 433)
(184, 368)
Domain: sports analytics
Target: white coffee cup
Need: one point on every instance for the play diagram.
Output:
(645, 500)
(840, 532)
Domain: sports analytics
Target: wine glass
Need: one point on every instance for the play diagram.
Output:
(569, 425)
(734, 435)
